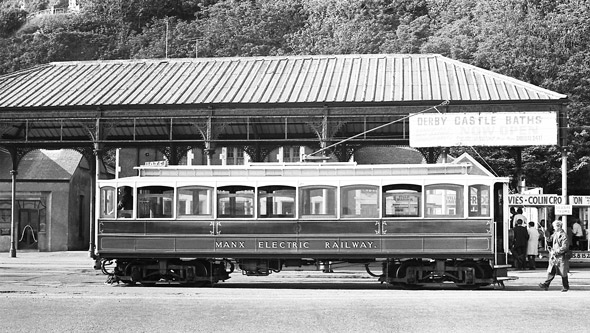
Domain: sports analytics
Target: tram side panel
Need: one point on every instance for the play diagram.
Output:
(321, 239)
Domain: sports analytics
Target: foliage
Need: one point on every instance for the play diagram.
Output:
(11, 18)
(337, 27)
(544, 42)
(249, 28)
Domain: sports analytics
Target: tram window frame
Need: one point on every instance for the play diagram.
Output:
(153, 208)
(332, 201)
(235, 192)
(345, 198)
(124, 202)
(476, 208)
(409, 191)
(458, 210)
(198, 208)
(108, 201)
(275, 192)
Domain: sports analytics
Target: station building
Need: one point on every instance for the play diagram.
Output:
(224, 111)
(52, 201)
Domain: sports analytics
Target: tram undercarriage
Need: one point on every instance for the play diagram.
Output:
(192, 272)
(405, 273)
(466, 273)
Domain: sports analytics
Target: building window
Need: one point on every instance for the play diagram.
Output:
(291, 154)
(235, 156)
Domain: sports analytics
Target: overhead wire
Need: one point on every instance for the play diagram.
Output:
(444, 103)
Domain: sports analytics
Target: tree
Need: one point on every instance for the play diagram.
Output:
(455, 31)
(248, 28)
(11, 18)
(543, 42)
(138, 13)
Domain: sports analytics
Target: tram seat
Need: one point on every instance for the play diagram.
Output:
(124, 213)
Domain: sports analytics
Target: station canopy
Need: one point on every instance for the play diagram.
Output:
(247, 101)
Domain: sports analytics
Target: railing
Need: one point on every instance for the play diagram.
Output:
(49, 11)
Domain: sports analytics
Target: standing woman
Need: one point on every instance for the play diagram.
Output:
(532, 248)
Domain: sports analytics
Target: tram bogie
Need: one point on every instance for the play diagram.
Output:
(414, 272)
(424, 223)
(151, 271)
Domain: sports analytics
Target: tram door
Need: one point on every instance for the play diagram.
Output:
(28, 229)
(499, 218)
(583, 213)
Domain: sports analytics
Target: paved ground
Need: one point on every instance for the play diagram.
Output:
(61, 292)
(76, 269)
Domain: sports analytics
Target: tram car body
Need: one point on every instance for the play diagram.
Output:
(417, 224)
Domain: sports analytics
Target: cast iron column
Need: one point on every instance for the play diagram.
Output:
(13, 231)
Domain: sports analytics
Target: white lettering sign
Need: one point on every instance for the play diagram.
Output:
(483, 129)
(579, 200)
(156, 163)
(535, 200)
(563, 209)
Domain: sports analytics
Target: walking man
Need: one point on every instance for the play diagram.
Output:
(558, 261)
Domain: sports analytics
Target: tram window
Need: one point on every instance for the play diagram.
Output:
(235, 201)
(444, 200)
(318, 200)
(402, 200)
(107, 202)
(359, 201)
(276, 201)
(479, 200)
(154, 202)
(125, 201)
(194, 201)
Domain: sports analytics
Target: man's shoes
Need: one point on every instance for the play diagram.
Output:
(564, 290)
(544, 286)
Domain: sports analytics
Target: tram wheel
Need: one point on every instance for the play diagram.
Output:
(402, 272)
(478, 272)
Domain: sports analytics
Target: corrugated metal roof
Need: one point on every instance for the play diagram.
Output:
(383, 78)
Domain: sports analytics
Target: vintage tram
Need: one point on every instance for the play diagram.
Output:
(419, 223)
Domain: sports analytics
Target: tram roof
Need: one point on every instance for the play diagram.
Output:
(310, 79)
(464, 165)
